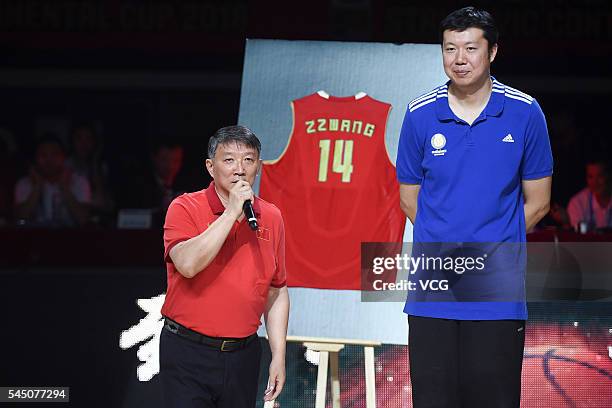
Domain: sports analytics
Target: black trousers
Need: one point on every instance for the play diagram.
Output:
(196, 375)
(465, 363)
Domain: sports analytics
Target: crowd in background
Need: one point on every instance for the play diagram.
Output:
(73, 181)
(59, 183)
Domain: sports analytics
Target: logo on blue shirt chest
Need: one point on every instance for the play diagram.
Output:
(438, 141)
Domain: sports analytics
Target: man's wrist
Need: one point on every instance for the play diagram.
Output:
(229, 214)
(277, 362)
(278, 356)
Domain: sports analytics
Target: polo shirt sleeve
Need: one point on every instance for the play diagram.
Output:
(178, 227)
(409, 153)
(280, 275)
(537, 155)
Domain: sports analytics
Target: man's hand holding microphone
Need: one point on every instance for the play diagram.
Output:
(240, 202)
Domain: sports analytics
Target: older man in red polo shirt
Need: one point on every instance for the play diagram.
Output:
(222, 276)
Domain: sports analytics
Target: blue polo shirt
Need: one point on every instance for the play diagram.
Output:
(470, 178)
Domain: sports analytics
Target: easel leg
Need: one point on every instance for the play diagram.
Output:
(322, 379)
(335, 380)
(370, 379)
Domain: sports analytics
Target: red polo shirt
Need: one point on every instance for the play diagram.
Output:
(228, 297)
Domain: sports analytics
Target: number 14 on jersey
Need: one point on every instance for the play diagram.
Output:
(342, 162)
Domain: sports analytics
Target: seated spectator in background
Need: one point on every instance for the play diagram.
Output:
(86, 161)
(592, 204)
(52, 195)
(157, 188)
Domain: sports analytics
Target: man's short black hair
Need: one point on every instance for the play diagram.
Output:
(467, 17)
(238, 134)
(598, 160)
(50, 138)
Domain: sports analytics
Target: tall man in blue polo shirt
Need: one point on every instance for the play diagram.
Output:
(475, 165)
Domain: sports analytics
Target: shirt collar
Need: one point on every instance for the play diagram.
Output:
(217, 206)
(496, 102)
(494, 107)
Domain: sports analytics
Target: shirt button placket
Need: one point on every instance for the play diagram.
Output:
(468, 137)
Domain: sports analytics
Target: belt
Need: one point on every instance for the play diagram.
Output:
(219, 343)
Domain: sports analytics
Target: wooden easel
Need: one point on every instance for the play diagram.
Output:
(328, 350)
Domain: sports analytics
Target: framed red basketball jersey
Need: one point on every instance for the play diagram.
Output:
(336, 188)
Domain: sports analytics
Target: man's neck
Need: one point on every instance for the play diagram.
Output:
(475, 96)
(223, 197)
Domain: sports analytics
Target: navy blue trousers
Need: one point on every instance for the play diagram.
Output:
(195, 375)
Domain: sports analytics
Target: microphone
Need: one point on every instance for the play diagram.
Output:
(249, 213)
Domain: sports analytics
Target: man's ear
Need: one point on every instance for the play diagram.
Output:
(208, 163)
(492, 53)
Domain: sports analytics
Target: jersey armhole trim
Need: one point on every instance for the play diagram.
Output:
(385, 137)
(274, 161)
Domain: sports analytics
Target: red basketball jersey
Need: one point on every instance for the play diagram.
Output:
(336, 188)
